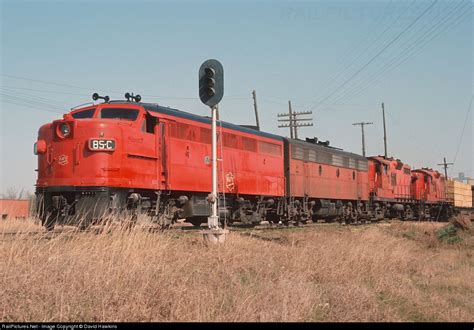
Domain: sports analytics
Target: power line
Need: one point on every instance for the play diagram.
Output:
(33, 102)
(343, 71)
(29, 106)
(33, 98)
(379, 53)
(398, 60)
(45, 82)
(463, 128)
(234, 96)
(362, 81)
(42, 90)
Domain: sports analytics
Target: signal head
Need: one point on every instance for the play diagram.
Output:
(211, 82)
(138, 98)
(127, 96)
(95, 96)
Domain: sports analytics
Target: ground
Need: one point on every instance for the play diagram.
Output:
(381, 272)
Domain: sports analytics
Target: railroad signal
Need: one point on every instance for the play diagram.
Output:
(211, 82)
(211, 91)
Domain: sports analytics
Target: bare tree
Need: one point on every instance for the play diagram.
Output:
(13, 193)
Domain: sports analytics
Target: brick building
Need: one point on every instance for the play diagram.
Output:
(14, 208)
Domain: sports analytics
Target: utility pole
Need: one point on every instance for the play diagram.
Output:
(293, 121)
(445, 165)
(254, 94)
(384, 131)
(362, 124)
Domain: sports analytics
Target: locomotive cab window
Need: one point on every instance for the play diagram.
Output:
(119, 114)
(86, 114)
(149, 124)
(378, 168)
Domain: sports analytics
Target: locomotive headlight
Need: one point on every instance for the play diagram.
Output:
(65, 129)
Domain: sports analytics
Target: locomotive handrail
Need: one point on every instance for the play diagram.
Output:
(81, 105)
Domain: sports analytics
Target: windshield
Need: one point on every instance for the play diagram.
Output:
(119, 113)
(83, 114)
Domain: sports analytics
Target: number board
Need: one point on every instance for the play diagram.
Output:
(101, 144)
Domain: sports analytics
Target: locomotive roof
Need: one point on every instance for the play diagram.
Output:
(153, 107)
(428, 171)
(207, 120)
(327, 149)
(388, 161)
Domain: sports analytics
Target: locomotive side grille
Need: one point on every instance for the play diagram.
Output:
(309, 154)
(230, 141)
(337, 160)
(249, 144)
(352, 163)
(297, 153)
(362, 165)
(269, 148)
(205, 135)
(345, 161)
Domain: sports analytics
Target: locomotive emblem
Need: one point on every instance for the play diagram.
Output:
(229, 181)
(62, 160)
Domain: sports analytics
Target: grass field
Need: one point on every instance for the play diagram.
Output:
(385, 272)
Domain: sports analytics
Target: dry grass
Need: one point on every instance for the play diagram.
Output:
(396, 272)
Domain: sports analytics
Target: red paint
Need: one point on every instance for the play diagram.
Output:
(315, 179)
(389, 179)
(176, 156)
(173, 157)
(428, 186)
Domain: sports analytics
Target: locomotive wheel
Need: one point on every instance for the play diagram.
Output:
(50, 220)
(196, 221)
(273, 218)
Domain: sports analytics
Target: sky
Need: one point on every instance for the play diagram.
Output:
(338, 59)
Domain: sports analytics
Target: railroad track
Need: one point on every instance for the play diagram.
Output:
(180, 228)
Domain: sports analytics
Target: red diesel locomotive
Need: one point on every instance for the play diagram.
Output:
(129, 157)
